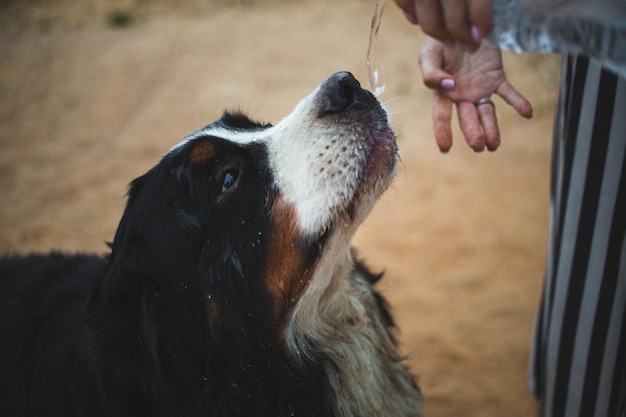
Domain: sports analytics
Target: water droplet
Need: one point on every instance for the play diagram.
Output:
(375, 86)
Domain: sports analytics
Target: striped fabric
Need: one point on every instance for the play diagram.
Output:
(578, 360)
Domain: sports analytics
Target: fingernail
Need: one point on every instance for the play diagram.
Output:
(411, 18)
(448, 84)
(476, 34)
(493, 146)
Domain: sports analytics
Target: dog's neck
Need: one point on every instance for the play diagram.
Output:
(339, 314)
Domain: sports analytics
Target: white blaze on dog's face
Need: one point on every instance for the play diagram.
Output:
(332, 157)
(335, 148)
(334, 151)
(329, 161)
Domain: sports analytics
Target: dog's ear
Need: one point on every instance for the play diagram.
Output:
(143, 301)
(119, 352)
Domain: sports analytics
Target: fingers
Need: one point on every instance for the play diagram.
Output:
(408, 7)
(457, 22)
(442, 118)
(431, 64)
(451, 21)
(446, 20)
(431, 18)
(489, 124)
(479, 126)
(515, 99)
(470, 126)
(481, 17)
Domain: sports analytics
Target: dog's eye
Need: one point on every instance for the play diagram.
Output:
(229, 179)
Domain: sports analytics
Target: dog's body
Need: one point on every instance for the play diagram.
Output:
(230, 290)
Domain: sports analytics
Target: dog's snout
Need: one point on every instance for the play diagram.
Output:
(339, 92)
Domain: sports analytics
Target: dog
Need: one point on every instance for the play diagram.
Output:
(231, 288)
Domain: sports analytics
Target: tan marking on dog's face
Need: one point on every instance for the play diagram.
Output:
(289, 264)
(202, 152)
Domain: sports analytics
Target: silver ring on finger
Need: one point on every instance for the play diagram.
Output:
(482, 101)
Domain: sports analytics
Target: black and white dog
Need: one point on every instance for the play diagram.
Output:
(231, 289)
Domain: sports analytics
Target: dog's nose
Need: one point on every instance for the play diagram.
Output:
(339, 92)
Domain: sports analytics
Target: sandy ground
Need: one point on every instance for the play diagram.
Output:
(86, 106)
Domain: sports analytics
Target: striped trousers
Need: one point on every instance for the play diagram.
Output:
(578, 356)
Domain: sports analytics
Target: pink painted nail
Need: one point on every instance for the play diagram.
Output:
(476, 34)
(448, 84)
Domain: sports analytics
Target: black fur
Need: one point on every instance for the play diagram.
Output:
(176, 320)
(179, 319)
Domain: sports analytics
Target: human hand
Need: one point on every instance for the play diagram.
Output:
(461, 78)
(451, 21)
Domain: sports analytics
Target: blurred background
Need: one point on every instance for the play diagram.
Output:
(93, 92)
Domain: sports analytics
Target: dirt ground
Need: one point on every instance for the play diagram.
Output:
(92, 93)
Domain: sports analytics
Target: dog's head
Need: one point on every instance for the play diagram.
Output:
(244, 224)
(256, 205)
